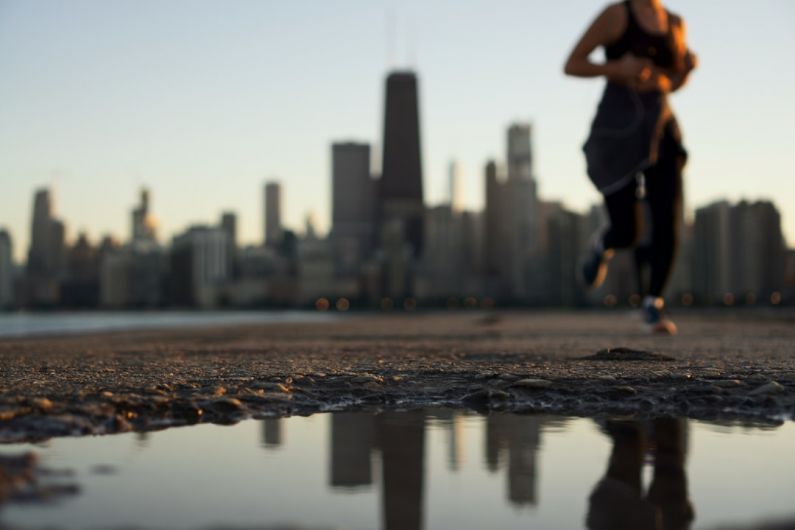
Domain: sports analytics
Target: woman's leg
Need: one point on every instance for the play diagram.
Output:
(664, 195)
(622, 209)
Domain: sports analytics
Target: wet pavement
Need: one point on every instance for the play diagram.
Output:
(723, 365)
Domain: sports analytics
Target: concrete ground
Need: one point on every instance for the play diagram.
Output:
(723, 365)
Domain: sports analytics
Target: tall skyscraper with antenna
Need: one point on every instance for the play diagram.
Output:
(400, 195)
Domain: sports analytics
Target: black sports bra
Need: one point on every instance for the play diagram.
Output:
(660, 48)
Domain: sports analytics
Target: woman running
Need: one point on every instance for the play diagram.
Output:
(634, 149)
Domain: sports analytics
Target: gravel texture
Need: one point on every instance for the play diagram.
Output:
(722, 365)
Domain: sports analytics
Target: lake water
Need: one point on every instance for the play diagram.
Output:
(433, 469)
(57, 323)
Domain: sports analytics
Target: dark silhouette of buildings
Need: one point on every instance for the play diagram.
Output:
(738, 253)
(229, 226)
(80, 287)
(273, 214)
(144, 227)
(353, 207)
(46, 256)
(6, 270)
(400, 195)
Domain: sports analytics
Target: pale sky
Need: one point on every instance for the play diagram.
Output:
(205, 100)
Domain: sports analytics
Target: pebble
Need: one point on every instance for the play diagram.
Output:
(626, 354)
(227, 405)
(273, 387)
(532, 384)
(43, 404)
(623, 390)
(772, 387)
(485, 396)
(727, 383)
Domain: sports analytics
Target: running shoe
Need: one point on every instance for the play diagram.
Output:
(657, 322)
(594, 268)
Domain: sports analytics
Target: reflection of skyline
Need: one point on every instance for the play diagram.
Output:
(512, 442)
(652, 450)
(272, 433)
(352, 442)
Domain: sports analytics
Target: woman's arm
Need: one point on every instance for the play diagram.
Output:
(689, 59)
(606, 29)
(672, 80)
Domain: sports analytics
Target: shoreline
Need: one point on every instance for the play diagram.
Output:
(720, 367)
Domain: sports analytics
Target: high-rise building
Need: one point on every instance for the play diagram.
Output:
(229, 226)
(454, 191)
(738, 252)
(352, 206)
(199, 266)
(493, 221)
(80, 287)
(273, 214)
(400, 193)
(520, 152)
(443, 260)
(712, 240)
(522, 207)
(6, 270)
(144, 226)
(757, 253)
(46, 255)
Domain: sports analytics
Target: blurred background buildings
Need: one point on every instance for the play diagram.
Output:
(387, 248)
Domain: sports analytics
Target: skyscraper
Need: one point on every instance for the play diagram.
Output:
(6, 271)
(273, 213)
(522, 206)
(143, 223)
(352, 206)
(520, 152)
(46, 255)
(454, 187)
(493, 221)
(229, 226)
(199, 266)
(400, 195)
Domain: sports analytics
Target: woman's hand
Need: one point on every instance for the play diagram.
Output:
(631, 69)
(657, 81)
(691, 61)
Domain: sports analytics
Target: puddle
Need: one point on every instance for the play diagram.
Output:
(434, 469)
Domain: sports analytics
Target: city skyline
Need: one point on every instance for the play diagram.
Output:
(172, 129)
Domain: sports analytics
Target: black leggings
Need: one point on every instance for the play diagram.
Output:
(663, 185)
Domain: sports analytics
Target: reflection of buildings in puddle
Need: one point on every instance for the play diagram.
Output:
(352, 441)
(617, 502)
(272, 433)
(23, 481)
(520, 437)
(451, 423)
(401, 438)
(142, 439)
